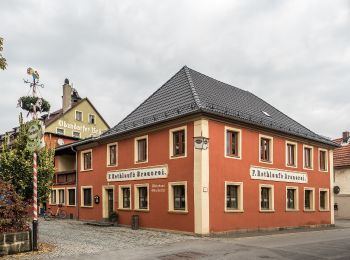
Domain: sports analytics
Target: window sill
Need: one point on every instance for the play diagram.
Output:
(266, 210)
(125, 209)
(292, 210)
(89, 207)
(291, 166)
(236, 157)
(142, 210)
(112, 165)
(178, 156)
(267, 162)
(308, 169)
(324, 210)
(324, 171)
(178, 211)
(71, 205)
(309, 210)
(234, 210)
(87, 170)
(140, 162)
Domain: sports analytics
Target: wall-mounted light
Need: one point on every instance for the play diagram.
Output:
(201, 142)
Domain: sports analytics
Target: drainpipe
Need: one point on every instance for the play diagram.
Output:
(76, 181)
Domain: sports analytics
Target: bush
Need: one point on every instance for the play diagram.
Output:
(13, 211)
(27, 103)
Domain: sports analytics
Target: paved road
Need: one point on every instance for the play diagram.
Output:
(324, 244)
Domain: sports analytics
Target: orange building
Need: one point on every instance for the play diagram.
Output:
(201, 156)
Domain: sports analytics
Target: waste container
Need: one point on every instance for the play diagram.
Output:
(135, 222)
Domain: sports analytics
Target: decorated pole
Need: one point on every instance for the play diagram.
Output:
(35, 203)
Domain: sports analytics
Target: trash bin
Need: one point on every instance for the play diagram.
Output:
(135, 222)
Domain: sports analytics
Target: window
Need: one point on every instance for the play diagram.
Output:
(53, 197)
(324, 200)
(266, 198)
(232, 143)
(291, 154)
(266, 145)
(141, 149)
(323, 160)
(91, 119)
(59, 131)
(309, 199)
(141, 197)
(61, 196)
(71, 196)
(292, 198)
(76, 134)
(178, 197)
(78, 115)
(234, 197)
(86, 160)
(124, 197)
(112, 154)
(308, 157)
(86, 196)
(178, 142)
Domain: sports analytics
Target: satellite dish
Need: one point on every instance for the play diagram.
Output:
(336, 189)
(60, 141)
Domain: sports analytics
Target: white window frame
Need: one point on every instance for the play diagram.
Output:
(319, 159)
(82, 115)
(75, 195)
(240, 197)
(171, 197)
(89, 119)
(136, 149)
(239, 131)
(76, 132)
(270, 150)
(312, 199)
(64, 196)
(327, 199)
(82, 160)
(171, 142)
(295, 154)
(296, 198)
(136, 196)
(271, 197)
(59, 128)
(311, 159)
(120, 197)
(116, 155)
(50, 199)
(82, 196)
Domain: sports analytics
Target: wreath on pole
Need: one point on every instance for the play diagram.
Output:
(34, 104)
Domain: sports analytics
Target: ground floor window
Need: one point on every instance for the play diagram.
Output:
(178, 196)
(309, 199)
(53, 197)
(292, 198)
(61, 196)
(234, 196)
(124, 197)
(141, 196)
(324, 199)
(71, 197)
(87, 196)
(266, 198)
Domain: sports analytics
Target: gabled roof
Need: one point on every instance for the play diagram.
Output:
(342, 154)
(189, 91)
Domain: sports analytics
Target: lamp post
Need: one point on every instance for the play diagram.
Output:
(201, 142)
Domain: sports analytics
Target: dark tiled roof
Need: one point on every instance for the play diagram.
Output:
(189, 91)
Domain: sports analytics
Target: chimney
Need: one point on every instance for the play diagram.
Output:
(67, 96)
(346, 136)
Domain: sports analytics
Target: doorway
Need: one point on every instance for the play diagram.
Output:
(107, 201)
(110, 202)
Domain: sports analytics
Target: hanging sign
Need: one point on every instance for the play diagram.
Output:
(138, 174)
(34, 135)
(265, 174)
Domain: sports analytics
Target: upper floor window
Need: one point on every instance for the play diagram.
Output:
(323, 160)
(91, 119)
(86, 160)
(266, 149)
(232, 142)
(78, 115)
(177, 142)
(308, 157)
(291, 154)
(112, 154)
(141, 149)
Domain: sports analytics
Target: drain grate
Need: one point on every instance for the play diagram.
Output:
(183, 256)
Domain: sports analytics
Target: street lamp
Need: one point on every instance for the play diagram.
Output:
(201, 142)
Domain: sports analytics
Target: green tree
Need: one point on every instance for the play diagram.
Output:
(16, 166)
(3, 63)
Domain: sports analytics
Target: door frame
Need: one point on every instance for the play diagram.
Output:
(105, 200)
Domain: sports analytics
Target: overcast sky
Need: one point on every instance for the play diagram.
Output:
(293, 54)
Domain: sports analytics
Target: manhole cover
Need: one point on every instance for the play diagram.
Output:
(183, 256)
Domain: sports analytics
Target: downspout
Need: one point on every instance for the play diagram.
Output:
(76, 181)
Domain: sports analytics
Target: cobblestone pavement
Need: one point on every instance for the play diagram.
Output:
(73, 238)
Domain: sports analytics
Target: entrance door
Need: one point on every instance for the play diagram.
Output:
(110, 202)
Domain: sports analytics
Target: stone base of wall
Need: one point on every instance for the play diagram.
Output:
(13, 243)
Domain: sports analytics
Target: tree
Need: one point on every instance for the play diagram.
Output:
(16, 166)
(3, 63)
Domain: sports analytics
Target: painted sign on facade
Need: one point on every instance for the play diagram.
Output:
(79, 127)
(257, 173)
(138, 174)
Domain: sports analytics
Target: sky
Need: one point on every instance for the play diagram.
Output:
(293, 54)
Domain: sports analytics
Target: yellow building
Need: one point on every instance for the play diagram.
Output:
(77, 118)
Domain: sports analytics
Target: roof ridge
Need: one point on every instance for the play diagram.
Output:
(193, 88)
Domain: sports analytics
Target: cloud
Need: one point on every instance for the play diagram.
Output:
(293, 54)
